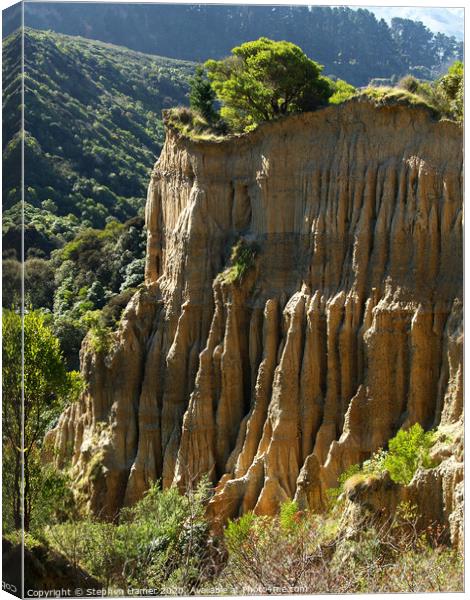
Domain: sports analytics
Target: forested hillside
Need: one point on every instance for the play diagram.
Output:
(352, 44)
(93, 132)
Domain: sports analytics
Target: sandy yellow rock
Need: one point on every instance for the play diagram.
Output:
(347, 328)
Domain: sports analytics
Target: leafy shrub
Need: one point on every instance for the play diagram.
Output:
(335, 493)
(288, 515)
(100, 334)
(53, 496)
(161, 541)
(408, 451)
(451, 84)
(237, 532)
(356, 473)
(202, 96)
(113, 310)
(70, 333)
(409, 83)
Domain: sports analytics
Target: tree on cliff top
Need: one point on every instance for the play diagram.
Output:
(264, 79)
(202, 96)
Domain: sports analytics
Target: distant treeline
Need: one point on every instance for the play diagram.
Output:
(351, 44)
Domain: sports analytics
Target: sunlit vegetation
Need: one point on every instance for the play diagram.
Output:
(407, 451)
(300, 552)
(31, 405)
(165, 543)
(96, 274)
(242, 259)
(442, 97)
(265, 79)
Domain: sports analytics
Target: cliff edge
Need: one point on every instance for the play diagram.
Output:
(345, 326)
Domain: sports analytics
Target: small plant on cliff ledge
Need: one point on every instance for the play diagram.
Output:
(193, 125)
(242, 260)
(100, 334)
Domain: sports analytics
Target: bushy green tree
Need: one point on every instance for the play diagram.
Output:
(11, 283)
(39, 283)
(31, 402)
(202, 96)
(265, 79)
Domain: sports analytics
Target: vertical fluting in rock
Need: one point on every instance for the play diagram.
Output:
(346, 327)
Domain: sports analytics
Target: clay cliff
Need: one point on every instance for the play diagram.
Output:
(345, 327)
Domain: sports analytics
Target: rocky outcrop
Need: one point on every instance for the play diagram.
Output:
(346, 327)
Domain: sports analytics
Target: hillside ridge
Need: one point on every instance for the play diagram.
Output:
(93, 131)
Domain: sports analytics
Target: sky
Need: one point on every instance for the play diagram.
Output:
(445, 20)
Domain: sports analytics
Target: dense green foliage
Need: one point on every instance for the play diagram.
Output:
(265, 79)
(42, 392)
(86, 283)
(93, 132)
(160, 543)
(95, 276)
(164, 543)
(342, 91)
(352, 44)
(452, 85)
(442, 97)
(408, 451)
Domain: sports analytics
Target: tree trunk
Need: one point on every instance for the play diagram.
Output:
(17, 491)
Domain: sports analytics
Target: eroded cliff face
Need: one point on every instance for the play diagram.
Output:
(347, 327)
